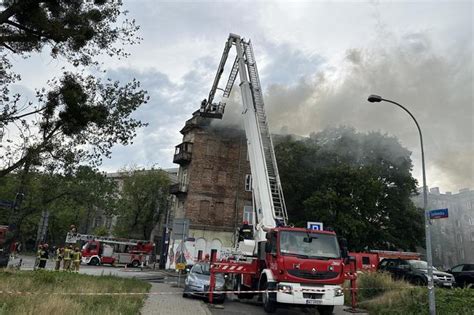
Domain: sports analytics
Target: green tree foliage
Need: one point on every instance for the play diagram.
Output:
(143, 202)
(78, 117)
(70, 199)
(359, 184)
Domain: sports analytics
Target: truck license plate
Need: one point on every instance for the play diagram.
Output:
(313, 302)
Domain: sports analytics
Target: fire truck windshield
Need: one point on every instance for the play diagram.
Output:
(309, 245)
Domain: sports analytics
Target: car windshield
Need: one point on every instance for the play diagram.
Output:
(201, 269)
(309, 245)
(419, 264)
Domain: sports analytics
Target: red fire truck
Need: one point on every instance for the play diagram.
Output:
(109, 250)
(286, 265)
(369, 261)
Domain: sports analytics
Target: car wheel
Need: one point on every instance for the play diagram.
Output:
(94, 261)
(185, 292)
(325, 309)
(135, 264)
(268, 305)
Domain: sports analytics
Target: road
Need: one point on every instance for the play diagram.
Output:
(166, 295)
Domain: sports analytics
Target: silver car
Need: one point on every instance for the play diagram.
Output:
(197, 283)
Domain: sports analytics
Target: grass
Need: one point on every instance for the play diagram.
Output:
(380, 294)
(63, 282)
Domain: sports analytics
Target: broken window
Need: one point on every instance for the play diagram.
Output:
(248, 182)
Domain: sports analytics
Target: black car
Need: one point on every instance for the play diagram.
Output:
(415, 271)
(463, 274)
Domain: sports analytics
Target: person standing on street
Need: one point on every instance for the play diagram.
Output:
(76, 257)
(59, 258)
(38, 255)
(44, 255)
(67, 258)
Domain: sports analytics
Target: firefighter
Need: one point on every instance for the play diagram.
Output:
(38, 256)
(44, 255)
(245, 232)
(59, 258)
(76, 259)
(67, 258)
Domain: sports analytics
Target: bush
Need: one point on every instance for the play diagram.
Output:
(380, 294)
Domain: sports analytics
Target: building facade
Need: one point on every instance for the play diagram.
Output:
(213, 193)
(452, 238)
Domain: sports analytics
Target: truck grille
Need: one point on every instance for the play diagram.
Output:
(318, 275)
(313, 296)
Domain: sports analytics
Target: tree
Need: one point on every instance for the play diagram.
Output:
(79, 117)
(143, 202)
(70, 199)
(359, 184)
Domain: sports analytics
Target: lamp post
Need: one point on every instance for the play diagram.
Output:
(431, 291)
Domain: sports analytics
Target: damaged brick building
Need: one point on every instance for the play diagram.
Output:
(213, 190)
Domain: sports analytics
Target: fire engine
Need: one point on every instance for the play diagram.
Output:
(287, 265)
(369, 261)
(109, 250)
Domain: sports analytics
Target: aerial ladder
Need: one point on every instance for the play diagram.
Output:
(285, 264)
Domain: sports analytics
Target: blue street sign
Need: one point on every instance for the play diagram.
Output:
(318, 226)
(438, 213)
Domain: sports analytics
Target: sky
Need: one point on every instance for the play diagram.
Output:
(318, 61)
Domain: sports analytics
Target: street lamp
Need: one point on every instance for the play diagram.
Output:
(431, 292)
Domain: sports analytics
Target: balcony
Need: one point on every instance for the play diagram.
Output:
(178, 189)
(183, 153)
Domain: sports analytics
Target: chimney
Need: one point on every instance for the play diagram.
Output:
(434, 190)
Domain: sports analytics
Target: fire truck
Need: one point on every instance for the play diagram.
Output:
(369, 261)
(284, 264)
(109, 250)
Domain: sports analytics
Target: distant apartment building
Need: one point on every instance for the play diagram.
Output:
(453, 237)
(213, 193)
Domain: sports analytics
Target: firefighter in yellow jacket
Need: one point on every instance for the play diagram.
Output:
(67, 258)
(76, 259)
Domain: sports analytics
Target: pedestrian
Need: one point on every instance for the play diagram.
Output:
(59, 258)
(76, 258)
(44, 255)
(38, 256)
(67, 258)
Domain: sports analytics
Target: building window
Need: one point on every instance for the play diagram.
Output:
(212, 148)
(248, 182)
(472, 236)
(248, 214)
(204, 208)
(98, 222)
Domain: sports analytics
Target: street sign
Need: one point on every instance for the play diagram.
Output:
(180, 266)
(318, 226)
(180, 228)
(438, 213)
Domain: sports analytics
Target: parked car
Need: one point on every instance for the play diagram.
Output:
(197, 283)
(463, 274)
(415, 271)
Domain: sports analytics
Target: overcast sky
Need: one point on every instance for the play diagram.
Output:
(318, 62)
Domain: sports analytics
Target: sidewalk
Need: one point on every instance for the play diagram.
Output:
(172, 303)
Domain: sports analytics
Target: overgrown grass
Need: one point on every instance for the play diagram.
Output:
(62, 282)
(379, 294)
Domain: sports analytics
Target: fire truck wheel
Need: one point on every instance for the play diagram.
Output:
(135, 264)
(269, 305)
(94, 261)
(325, 309)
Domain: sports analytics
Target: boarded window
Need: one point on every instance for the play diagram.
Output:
(204, 208)
(221, 178)
(212, 148)
(219, 213)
